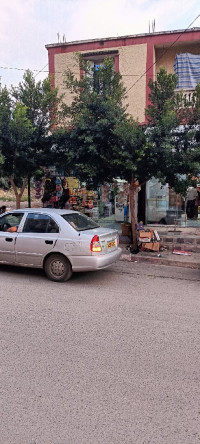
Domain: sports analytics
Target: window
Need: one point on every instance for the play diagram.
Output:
(10, 220)
(95, 60)
(80, 222)
(40, 223)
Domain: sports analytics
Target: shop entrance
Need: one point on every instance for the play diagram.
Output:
(165, 207)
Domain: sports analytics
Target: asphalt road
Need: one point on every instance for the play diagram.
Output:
(111, 357)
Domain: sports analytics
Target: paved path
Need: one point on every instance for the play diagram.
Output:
(161, 258)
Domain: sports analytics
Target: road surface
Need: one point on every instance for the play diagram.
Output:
(107, 358)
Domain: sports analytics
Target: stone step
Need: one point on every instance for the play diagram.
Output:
(191, 243)
(172, 241)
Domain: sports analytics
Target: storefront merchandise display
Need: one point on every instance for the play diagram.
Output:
(67, 193)
(121, 209)
(110, 201)
(38, 189)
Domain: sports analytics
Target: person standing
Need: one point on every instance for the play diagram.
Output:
(191, 207)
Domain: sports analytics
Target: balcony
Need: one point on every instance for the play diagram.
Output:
(187, 95)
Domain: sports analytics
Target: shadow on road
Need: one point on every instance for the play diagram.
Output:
(77, 278)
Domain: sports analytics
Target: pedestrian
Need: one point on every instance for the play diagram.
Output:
(191, 200)
(3, 209)
(64, 198)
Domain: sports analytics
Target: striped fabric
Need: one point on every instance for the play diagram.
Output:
(187, 68)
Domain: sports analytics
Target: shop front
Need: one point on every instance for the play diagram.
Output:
(165, 207)
(109, 204)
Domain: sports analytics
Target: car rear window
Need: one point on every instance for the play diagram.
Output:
(80, 222)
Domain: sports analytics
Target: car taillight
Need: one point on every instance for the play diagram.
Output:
(95, 244)
(118, 239)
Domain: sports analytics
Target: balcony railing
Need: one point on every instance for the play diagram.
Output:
(186, 97)
(187, 93)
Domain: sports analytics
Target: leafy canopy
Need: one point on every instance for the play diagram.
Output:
(99, 128)
(172, 132)
(27, 115)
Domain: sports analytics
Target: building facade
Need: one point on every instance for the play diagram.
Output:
(139, 59)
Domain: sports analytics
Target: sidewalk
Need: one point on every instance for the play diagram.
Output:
(184, 238)
(162, 258)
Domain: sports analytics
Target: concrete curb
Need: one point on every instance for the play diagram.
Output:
(165, 261)
(171, 260)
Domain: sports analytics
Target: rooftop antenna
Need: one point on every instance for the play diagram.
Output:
(152, 26)
(58, 35)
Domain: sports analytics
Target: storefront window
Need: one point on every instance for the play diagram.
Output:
(164, 206)
(157, 202)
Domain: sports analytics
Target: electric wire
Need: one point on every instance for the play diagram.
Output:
(55, 72)
(41, 70)
(123, 75)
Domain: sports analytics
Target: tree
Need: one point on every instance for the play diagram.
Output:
(102, 141)
(27, 115)
(15, 136)
(105, 141)
(173, 131)
(95, 111)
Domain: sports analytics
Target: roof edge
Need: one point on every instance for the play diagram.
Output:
(106, 39)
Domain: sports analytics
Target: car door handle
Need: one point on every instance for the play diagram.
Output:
(9, 239)
(48, 242)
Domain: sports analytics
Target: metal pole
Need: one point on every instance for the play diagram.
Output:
(29, 192)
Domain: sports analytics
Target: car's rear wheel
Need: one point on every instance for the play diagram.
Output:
(58, 268)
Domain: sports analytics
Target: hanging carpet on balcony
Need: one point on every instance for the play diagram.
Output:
(187, 68)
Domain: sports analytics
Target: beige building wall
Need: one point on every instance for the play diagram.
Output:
(169, 55)
(62, 62)
(132, 64)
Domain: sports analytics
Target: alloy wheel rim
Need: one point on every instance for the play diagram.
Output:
(57, 268)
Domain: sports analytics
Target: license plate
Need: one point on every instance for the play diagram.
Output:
(111, 244)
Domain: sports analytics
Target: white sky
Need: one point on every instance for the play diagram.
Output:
(26, 26)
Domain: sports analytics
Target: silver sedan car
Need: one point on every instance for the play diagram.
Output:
(59, 241)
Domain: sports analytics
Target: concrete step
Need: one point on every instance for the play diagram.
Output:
(186, 239)
(180, 242)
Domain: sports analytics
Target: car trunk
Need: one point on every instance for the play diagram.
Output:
(108, 239)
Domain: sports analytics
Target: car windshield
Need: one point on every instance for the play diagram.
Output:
(80, 222)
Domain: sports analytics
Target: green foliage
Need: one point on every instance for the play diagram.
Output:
(172, 133)
(162, 97)
(91, 141)
(102, 141)
(40, 99)
(131, 156)
(27, 115)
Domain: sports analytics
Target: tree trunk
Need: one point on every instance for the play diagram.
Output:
(18, 195)
(132, 191)
(18, 201)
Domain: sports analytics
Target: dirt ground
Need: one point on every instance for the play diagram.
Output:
(10, 203)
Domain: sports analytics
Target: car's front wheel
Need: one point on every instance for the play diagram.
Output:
(58, 268)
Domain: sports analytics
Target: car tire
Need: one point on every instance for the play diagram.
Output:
(58, 268)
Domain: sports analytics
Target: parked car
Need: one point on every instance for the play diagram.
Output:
(59, 241)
